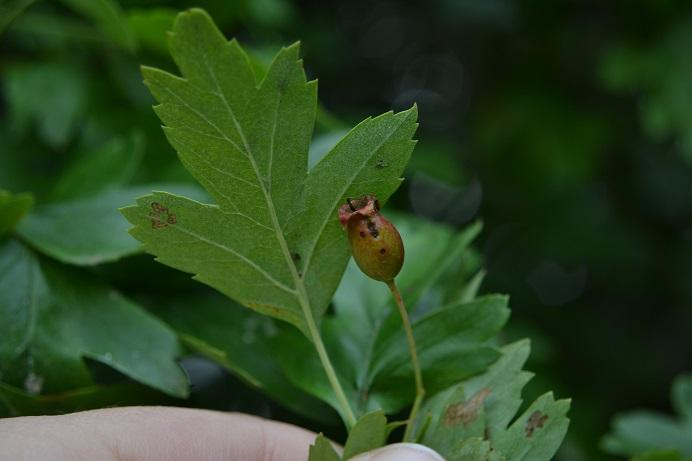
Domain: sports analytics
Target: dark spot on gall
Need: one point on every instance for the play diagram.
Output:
(372, 228)
(362, 234)
(382, 251)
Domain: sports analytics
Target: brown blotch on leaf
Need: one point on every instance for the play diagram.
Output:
(535, 421)
(465, 412)
(160, 216)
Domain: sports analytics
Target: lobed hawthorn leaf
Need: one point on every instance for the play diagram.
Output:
(473, 419)
(54, 317)
(369, 433)
(322, 450)
(271, 240)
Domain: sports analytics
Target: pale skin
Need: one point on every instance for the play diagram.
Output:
(166, 434)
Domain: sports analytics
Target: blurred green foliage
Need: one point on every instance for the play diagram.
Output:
(564, 125)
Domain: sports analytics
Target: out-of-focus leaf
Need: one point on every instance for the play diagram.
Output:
(12, 209)
(51, 96)
(112, 165)
(10, 9)
(322, 450)
(16, 402)
(109, 18)
(638, 432)
(90, 230)
(681, 395)
(661, 455)
(452, 344)
(368, 434)
(240, 341)
(150, 26)
(660, 73)
(55, 317)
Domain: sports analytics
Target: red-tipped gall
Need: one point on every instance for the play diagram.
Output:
(375, 242)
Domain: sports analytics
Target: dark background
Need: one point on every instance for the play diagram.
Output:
(566, 126)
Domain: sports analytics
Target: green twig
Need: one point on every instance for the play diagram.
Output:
(420, 390)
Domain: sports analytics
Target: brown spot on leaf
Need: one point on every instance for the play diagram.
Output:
(295, 257)
(160, 216)
(465, 412)
(535, 421)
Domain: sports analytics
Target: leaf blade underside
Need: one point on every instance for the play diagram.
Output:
(271, 241)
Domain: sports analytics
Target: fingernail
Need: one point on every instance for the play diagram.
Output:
(401, 452)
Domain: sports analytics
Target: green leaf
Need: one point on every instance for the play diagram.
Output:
(239, 340)
(88, 231)
(640, 431)
(12, 209)
(10, 10)
(538, 432)
(662, 455)
(109, 18)
(482, 408)
(455, 334)
(51, 96)
(15, 402)
(113, 164)
(682, 395)
(369, 433)
(272, 241)
(55, 317)
(150, 26)
(322, 450)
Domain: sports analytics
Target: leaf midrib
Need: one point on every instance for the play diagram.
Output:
(299, 290)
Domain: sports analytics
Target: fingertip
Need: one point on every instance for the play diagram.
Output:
(401, 452)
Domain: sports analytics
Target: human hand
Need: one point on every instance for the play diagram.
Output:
(170, 434)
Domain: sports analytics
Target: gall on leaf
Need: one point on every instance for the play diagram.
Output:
(375, 243)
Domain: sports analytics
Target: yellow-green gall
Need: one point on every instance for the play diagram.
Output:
(375, 242)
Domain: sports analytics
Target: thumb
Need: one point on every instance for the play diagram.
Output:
(400, 452)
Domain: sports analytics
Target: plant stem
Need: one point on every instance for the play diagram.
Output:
(420, 390)
(346, 410)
